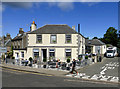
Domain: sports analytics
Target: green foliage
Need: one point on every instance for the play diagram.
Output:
(86, 57)
(11, 50)
(3, 56)
(68, 60)
(110, 37)
(44, 60)
(13, 57)
(118, 44)
(95, 38)
(30, 59)
(68, 41)
(54, 41)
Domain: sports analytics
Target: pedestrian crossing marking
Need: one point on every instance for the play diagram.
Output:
(101, 76)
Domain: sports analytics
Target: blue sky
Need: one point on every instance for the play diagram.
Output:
(95, 18)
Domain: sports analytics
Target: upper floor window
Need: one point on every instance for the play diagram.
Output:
(53, 39)
(68, 39)
(39, 38)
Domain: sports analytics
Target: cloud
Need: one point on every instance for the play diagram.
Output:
(25, 5)
(65, 6)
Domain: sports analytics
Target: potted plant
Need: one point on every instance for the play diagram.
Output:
(13, 57)
(40, 41)
(68, 63)
(30, 59)
(68, 60)
(54, 41)
(86, 57)
(44, 60)
(68, 41)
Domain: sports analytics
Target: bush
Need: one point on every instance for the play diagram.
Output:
(30, 59)
(3, 56)
(86, 57)
(44, 60)
(13, 57)
(68, 60)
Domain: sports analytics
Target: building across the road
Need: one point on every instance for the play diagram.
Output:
(95, 46)
(49, 42)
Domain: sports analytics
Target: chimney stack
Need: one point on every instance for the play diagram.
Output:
(73, 27)
(8, 36)
(21, 31)
(33, 26)
(78, 28)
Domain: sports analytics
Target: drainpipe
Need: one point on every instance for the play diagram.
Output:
(78, 39)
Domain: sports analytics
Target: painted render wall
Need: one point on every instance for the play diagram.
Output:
(19, 51)
(59, 47)
(59, 53)
(46, 40)
(102, 49)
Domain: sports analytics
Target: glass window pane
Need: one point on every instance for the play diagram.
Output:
(53, 39)
(68, 53)
(68, 38)
(39, 38)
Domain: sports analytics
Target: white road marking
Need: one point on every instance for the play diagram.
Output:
(101, 76)
(115, 79)
(86, 77)
(95, 77)
(105, 78)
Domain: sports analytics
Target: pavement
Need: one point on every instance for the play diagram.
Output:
(101, 71)
(35, 70)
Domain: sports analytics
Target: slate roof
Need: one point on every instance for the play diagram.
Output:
(8, 43)
(50, 29)
(54, 29)
(18, 37)
(95, 42)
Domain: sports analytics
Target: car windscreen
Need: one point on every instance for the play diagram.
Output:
(109, 51)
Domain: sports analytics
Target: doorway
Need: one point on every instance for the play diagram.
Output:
(44, 54)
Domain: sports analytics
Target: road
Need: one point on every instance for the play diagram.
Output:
(107, 70)
(14, 78)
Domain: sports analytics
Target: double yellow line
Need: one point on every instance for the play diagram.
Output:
(23, 71)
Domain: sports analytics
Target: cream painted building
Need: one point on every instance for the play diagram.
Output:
(95, 46)
(50, 42)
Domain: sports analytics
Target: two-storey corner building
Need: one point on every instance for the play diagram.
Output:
(51, 42)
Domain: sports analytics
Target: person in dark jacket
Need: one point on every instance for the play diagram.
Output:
(73, 66)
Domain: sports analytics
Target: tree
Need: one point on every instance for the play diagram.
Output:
(95, 38)
(118, 44)
(111, 36)
(11, 50)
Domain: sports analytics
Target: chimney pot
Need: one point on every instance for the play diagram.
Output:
(73, 27)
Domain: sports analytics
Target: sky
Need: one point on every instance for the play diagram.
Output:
(94, 17)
